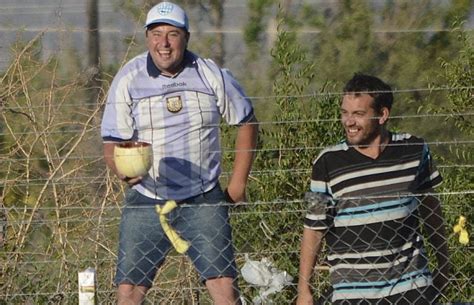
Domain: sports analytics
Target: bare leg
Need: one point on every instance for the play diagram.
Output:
(128, 294)
(223, 291)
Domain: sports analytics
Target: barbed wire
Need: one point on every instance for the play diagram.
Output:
(95, 180)
(113, 259)
(234, 31)
(340, 93)
(266, 97)
(224, 150)
(242, 4)
(240, 204)
(272, 122)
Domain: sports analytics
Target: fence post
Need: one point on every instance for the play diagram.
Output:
(87, 284)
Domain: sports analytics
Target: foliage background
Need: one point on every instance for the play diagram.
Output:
(61, 206)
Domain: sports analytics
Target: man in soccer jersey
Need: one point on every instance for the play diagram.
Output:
(174, 99)
(369, 196)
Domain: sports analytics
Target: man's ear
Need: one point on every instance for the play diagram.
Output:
(384, 114)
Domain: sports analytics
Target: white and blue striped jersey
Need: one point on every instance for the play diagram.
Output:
(371, 226)
(180, 117)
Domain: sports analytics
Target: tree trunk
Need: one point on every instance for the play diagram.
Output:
(217, 15)
(93, 49)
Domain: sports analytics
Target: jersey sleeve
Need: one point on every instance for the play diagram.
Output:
(233, 104)
(321, 205)
(236, 108)
(117, 121)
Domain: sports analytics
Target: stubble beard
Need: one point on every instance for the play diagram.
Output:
(368, 139)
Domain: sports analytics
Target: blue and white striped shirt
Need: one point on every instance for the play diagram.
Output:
(375, 248)
(180, 116)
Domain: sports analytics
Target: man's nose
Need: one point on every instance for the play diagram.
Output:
(164, 41)
(348, 120)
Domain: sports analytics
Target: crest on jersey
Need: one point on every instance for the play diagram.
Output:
(174, 104)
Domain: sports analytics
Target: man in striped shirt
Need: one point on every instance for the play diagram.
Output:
(175, 100)
(369, 195)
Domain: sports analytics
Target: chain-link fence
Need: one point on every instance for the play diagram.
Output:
(45, 248)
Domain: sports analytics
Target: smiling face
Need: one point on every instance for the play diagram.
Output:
(362, 124)
(167, 45)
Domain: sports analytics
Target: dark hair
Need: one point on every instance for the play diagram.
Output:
(373, 86)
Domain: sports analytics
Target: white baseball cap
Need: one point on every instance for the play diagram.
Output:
(169, 13)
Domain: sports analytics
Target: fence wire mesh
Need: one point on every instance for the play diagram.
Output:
(45, 248)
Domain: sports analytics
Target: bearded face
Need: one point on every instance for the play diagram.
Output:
(362, 124)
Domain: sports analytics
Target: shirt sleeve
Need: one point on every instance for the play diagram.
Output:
(428, 175)
(236, 108)
(117, 121)
(321, 205)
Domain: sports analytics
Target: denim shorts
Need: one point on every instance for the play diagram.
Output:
(202, 220)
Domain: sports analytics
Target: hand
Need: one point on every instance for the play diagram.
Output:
(227, 197)
(235, 195)
(131, 181)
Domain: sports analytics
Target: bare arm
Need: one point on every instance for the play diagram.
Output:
(310, 247)
(109, 161)
(245, 144)
(431, 213)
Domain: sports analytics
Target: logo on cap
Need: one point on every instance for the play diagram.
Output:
(169, 13)
(165, 8)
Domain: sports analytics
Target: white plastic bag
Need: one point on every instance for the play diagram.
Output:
(262, 274)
